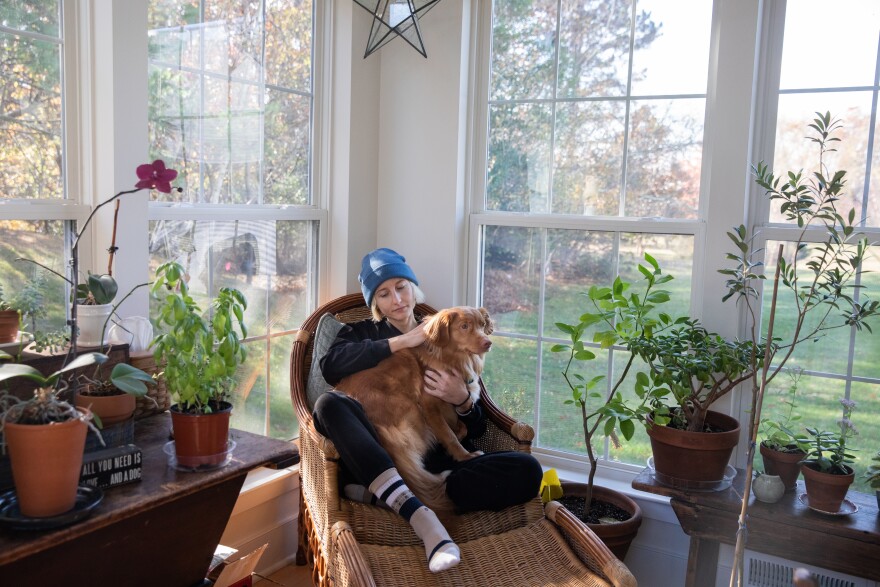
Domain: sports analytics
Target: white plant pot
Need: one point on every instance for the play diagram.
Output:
(768, 488)
(90, 321)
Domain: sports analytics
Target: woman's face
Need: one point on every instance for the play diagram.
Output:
(395, 299)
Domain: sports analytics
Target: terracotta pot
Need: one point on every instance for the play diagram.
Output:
(200, 440)
(111, 409)
(694, 460)
(785, 464)
(8, 326)
(826, 491)
(617, 536)
(46, 463)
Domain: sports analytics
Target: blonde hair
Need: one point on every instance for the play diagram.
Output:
(418, 295)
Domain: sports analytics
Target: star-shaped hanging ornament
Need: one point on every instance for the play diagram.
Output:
(396, 17)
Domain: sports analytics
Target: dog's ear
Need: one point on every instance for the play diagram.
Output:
(489, 324)
(437, 330)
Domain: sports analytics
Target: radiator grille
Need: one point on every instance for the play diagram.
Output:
(767, 571)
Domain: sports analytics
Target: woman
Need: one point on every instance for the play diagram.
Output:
(491, 481)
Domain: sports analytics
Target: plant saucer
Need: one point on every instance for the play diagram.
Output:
(87, 498)
(846, 507)
(198, 464)
(691, 485)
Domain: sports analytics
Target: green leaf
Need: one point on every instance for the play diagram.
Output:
(130, 379)
(627, 428)
(103, 288)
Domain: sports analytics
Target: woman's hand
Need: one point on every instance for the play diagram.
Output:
(447, 386)
(407, 340)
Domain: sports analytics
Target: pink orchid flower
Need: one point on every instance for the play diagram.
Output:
(155, 176)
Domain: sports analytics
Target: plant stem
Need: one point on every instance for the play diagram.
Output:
(736, 573)
(112, 249)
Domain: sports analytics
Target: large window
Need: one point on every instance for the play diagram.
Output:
(231, 108)
(595, 128)
(35, 90)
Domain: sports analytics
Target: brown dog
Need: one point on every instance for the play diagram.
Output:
(408, 420)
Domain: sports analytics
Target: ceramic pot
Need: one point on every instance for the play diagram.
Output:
(616, 536)
(91, 320)
(201, 440)
(785, 464)
(8, 326)
(693, 460)
(768, 488)
(111, 409)
(826, 491)
(46, 463)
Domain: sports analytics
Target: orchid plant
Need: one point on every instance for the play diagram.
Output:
(102, 288)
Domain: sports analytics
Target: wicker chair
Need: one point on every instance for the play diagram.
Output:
(351, 543)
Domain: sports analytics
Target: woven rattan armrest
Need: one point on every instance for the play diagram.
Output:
(589, 547)
(352, 568)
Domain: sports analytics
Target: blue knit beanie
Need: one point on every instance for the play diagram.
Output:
(380, 266)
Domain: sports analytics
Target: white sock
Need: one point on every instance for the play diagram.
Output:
(441, 551)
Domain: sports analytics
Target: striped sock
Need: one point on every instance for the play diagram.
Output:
(441, 551)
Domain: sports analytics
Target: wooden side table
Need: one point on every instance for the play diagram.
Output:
(788, 529)
(162, 530)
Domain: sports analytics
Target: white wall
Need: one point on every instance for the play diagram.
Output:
(422, 115)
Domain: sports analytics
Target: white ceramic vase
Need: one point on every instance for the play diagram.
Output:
(768, 488)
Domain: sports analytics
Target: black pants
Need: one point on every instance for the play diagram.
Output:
(492, 481)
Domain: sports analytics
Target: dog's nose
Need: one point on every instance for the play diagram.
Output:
(487, 344)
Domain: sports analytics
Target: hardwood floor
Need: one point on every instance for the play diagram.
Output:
(289, 576)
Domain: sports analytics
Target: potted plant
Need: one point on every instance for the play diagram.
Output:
(688, 369)
(112, 400)
(45, 435)
(872, 476)
(783, 447)
(827, 471)
(594, 406)
(681, 370)
(10, 319)
(201, 354)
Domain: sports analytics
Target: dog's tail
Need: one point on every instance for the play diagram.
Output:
(429, 487)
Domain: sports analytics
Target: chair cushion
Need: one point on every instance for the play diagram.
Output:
(325, 334)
